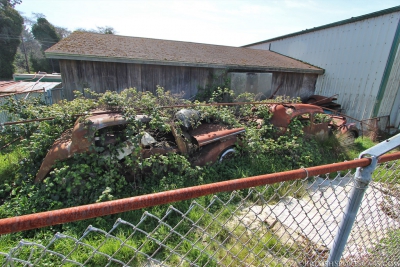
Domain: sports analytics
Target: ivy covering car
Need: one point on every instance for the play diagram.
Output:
(203, 142)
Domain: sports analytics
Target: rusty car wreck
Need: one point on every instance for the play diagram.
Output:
(315, 121)
(205, 143)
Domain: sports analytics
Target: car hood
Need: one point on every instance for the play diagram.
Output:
(80, 139)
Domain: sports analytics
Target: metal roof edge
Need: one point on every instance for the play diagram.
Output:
(338, 23)
(179, 63)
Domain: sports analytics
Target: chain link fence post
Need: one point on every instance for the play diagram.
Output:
(363, 177)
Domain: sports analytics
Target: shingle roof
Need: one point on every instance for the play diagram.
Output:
(115, 48)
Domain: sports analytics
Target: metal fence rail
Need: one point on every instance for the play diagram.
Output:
(290, 220)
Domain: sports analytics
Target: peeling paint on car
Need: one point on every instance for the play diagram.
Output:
(82, 138)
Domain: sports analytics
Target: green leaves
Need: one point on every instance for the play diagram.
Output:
(45, 33)
(100, 176)
(10, 29)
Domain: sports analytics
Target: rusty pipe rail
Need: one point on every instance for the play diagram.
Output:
(52, 118)
(226, 104)
(48, 218)
(27, 121)
(174, 106)
(340, 113)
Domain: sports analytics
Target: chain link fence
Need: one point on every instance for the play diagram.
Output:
(291, 223)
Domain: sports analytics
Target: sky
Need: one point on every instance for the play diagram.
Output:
(220, 22)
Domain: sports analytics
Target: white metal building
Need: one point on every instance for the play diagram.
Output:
(361, 60)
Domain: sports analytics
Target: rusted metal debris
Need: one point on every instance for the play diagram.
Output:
(324, 101)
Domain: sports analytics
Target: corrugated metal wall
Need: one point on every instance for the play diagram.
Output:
(354, 57)
(390, 103)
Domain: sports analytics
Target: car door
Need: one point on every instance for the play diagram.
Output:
(320, 125)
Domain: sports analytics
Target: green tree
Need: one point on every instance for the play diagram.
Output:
(47, 35)
(10, 31)
(12, 3)
(106, 30)
(29, 46)
(103, 30)
(62, 32)
(30, 54)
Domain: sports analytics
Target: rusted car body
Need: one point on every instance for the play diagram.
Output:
(204, 144)
(315, 121)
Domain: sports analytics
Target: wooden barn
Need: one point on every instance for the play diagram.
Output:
(104, 62)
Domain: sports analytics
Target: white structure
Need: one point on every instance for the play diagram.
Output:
(361, 60)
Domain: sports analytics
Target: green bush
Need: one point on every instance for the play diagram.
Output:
(89, 178)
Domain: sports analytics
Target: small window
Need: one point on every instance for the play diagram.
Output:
(305, 116)
(321, 118)
(304, 119)
(110, 135)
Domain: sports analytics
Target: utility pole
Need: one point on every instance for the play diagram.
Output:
(26, 58)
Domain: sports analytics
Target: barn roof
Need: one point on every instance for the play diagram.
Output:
(124, 49)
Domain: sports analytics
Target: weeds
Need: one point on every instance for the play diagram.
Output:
(87, 178)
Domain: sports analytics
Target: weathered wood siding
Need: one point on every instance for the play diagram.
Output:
(103, 76)
(184, 81)
(294, 84)
(264, 85)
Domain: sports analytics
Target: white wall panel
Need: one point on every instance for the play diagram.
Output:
(354, 57)
(389, 105)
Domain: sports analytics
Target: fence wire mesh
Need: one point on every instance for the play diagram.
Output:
(283, 224)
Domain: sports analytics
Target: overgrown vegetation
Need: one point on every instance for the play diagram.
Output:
(89, 178)
(10, 30)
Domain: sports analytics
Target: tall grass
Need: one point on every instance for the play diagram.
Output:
(218, 232)
(9, 165)
(9, 162)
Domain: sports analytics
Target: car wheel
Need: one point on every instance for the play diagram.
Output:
(227, 154)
